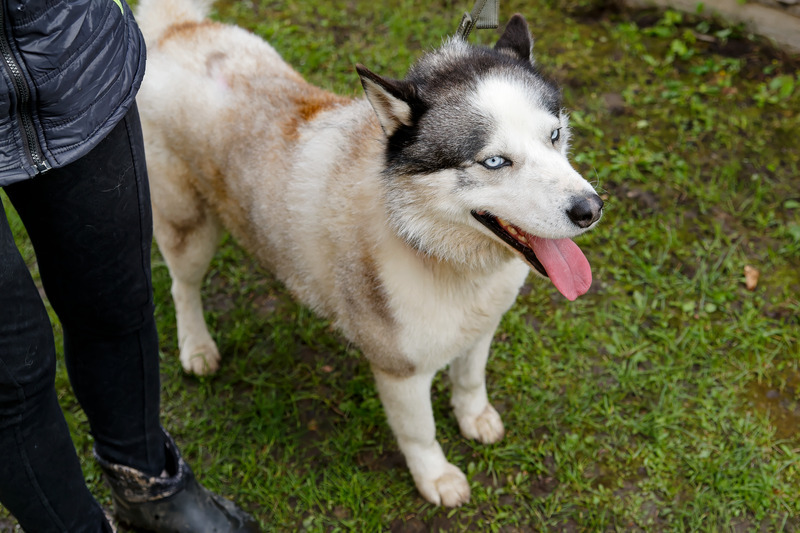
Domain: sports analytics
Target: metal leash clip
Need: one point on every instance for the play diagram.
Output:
(483, 16)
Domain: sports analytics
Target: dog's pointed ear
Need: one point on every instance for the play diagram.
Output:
(516, 39)
(391, 99)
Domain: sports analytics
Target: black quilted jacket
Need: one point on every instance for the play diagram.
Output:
(69, 71)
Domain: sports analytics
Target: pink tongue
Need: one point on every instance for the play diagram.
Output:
(566, 265)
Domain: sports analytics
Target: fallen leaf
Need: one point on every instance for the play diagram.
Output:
(751, 277)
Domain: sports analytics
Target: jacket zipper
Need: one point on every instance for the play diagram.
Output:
(29, 139)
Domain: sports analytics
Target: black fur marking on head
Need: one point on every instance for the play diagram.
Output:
(411, 152)
(516, 38)
(398, 88)
(385, 92)
(446, 131)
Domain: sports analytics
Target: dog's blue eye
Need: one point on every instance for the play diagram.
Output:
(555, 135)
(495, 162)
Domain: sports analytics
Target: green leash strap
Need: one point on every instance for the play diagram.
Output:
(483, 16)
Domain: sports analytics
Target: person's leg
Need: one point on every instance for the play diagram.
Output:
(41, 482)
(91, 228)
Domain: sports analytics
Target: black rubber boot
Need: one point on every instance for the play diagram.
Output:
(175, 503)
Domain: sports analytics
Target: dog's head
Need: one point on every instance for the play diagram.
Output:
(476, 159)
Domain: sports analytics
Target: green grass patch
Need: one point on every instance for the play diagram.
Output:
(666, 399)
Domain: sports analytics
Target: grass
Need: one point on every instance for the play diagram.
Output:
(666, 399)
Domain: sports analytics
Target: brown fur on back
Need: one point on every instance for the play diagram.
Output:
(184, 30)
(307, 105)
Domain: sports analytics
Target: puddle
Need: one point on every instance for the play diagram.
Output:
(780, 400)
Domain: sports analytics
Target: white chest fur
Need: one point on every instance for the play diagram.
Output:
(443, 313)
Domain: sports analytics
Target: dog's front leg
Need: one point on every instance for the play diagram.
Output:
(188, 250)
(476, 417)
(407, 402)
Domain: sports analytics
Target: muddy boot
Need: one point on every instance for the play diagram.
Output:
(172, 503)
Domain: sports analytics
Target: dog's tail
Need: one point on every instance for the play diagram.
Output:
(155, 17)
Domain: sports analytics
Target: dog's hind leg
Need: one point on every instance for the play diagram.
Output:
(476, 417)
(187, 233)
(407, 402)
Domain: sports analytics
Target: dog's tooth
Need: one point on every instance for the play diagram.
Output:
(522, 239)
(512, 231)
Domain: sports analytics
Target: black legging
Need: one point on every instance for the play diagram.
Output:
(91, 227)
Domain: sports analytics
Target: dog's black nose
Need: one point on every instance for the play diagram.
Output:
(586, 211)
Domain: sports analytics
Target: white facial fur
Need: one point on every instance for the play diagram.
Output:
(535, 191)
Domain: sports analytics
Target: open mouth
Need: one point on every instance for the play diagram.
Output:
(559, 259)
(512, 236)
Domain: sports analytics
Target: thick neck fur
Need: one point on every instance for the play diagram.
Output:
(439, 237)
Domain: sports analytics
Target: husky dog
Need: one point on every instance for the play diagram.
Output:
(410, 218)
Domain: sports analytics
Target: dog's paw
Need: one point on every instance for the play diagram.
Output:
(487, 427)
(449, 489)
(200, 360)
